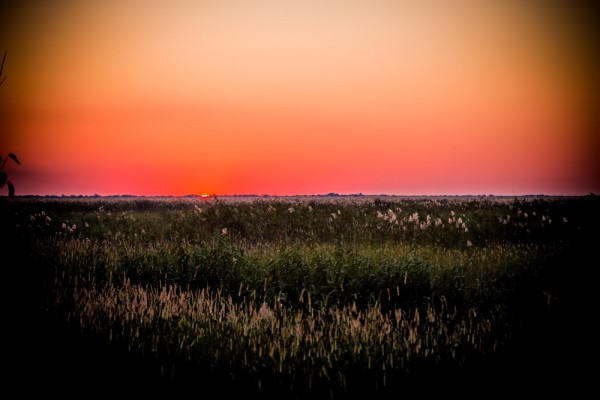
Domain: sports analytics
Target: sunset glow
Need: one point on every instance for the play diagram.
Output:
(285, 97)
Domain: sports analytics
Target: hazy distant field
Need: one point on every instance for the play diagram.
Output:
(299, 296)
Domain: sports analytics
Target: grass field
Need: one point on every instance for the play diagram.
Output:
(300, 297)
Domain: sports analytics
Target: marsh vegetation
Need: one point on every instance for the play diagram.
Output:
(298, 296)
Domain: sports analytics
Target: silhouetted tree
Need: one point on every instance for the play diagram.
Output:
(3, 176)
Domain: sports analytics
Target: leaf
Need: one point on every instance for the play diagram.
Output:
(11, 155)
(3, 178)
(2, 68)
(11, 189)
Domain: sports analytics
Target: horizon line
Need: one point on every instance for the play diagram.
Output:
(331, 194)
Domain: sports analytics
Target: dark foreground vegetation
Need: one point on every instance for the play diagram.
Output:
(303, 297)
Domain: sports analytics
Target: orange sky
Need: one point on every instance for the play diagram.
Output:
(299, 97)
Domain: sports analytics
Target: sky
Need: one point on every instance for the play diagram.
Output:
(280, 97)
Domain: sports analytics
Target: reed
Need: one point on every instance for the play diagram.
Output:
(305, 294)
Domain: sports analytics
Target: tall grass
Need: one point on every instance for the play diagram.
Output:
(305, 295)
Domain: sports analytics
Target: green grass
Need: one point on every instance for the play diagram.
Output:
(307, 296)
